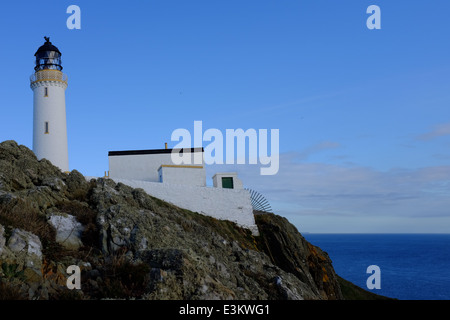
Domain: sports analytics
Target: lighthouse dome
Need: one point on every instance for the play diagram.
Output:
(48, 56)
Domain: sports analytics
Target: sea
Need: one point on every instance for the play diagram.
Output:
(411, 266)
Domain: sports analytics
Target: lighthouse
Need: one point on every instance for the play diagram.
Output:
(49, 107)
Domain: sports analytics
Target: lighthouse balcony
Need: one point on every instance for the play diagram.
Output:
(48, 75)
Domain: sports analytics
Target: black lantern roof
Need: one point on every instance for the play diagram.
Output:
(47, 46)
(48, 56)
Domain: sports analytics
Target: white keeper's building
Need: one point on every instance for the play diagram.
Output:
(184, 185)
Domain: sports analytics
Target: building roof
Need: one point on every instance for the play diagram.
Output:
(47, 46)
(152, 151)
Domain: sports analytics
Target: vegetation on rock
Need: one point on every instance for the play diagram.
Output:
(133, 245)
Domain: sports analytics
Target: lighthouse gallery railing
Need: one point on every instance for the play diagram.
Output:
(48, 75)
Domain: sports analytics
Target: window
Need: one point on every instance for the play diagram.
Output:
(227, 182)
(46, 127)
(45, 92)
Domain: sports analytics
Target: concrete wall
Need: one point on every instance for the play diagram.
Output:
(225, 204)
(137, 167)
(143, 166)
(186, 175)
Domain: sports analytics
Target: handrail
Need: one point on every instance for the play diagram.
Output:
(48, 75)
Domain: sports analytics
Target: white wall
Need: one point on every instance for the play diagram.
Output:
(185, 175)
(52, 109)
(139, 166)
(224, 204)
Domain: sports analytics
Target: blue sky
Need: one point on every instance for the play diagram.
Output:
(363, 114)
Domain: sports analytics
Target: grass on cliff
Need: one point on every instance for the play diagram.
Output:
(123, 279)
(351, 291)
(10, 291)
(225, 228)
(23, 215)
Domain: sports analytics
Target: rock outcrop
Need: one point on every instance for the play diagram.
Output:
(131, 245)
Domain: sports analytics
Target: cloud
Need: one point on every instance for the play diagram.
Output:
(322, 146)
(438, 131)
(328, 190)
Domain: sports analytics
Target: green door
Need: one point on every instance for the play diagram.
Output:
(227, 182)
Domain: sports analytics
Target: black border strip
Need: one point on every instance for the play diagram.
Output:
(152, 151)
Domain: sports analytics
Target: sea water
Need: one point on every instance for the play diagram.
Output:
(412, 266)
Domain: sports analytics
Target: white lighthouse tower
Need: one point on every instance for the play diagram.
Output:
(49, 107)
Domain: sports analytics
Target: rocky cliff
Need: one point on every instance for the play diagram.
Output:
(131, 245)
